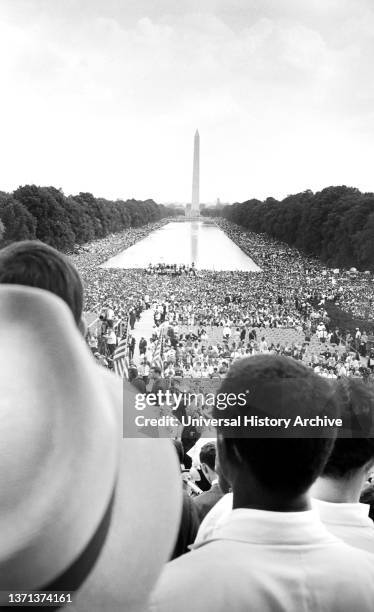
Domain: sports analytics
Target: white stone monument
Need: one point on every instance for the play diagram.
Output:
(195, 205)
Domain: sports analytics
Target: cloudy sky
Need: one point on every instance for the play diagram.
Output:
(105, 96)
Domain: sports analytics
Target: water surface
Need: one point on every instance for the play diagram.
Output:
(200, 242)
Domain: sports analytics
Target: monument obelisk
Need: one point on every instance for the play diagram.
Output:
(195, 204)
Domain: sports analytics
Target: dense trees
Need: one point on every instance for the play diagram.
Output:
(47, 214)
(335, 224)
(16, 219)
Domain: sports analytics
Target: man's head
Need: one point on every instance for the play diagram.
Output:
(35, 264)
(277, 387)
(352, 457)
(156, 372)
(208, 461)
(349, 456)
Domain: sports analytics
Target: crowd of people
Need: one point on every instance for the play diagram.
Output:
(350, 289)
(245, 520)
(163, 269)
(212, 318)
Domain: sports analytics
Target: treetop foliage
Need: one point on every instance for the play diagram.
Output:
(335, 224)
(46, 214)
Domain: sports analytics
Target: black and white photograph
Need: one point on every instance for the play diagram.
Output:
(187, 305)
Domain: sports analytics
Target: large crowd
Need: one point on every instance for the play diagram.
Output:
(256, 518)
(210, 319)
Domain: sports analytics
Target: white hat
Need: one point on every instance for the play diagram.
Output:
(77, 501)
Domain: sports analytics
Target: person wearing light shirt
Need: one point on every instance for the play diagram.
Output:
(208, 499)
(337, 491)
(271, 553)
(111, 340)
(341, 370)
(109, 314)
(188, 372)
(144, 369)
(226, 332)
(235, 354)
(169, 371)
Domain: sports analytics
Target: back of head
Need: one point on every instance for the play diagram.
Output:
(352, 454)
(35, 264)
(208, 455)
(277, 387)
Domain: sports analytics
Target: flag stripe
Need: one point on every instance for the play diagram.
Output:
(121, 355)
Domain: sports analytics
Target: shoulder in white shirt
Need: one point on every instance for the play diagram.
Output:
(349, 522)
(267, 561)
(214, 518)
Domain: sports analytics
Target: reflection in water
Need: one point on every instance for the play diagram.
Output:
(200, 242)
(194, 229)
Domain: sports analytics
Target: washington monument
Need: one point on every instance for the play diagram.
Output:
(195, 205)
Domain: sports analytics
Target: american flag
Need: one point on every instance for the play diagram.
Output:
(121, 356)
(121, 359)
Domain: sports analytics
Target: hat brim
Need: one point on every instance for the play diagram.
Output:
(63, 457)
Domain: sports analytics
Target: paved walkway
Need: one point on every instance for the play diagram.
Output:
(143, 328)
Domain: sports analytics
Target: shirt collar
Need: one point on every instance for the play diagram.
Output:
(272, 528)
(343, 513)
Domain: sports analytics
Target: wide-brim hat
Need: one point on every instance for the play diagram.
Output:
(77, 501)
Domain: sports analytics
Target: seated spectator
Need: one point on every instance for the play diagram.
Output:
(208, 499)
(272, 552)
(337, 491)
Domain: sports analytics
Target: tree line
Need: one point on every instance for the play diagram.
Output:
(335, 224)
(46, 214)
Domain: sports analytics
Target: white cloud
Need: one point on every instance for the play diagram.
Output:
(106, 98)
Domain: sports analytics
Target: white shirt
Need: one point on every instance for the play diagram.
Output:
(268, 562)
(214, 518)
(111, 338)
(143, 369)
(110, 314)
(349, 522)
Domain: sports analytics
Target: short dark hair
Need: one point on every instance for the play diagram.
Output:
(208, 454)
(350, 454)
(274, 384)
(156, 369)
(35, 264)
